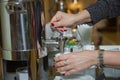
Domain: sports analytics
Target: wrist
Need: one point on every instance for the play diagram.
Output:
(93, 56)
(100, 58)
(96, 60)
(82, 17)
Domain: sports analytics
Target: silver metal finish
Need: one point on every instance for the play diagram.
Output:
(22, 22)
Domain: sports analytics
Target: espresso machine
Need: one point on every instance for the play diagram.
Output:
(22, 23)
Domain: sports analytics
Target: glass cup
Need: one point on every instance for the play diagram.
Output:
(22, 73)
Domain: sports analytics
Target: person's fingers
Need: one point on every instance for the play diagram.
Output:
(57, 24)
(62, 29)
(62, 63)
(76, 69)
(80, 66)
(72, 71)
(56, 18)
(69, 60)
(69, 69)
(67, 64)
(62, 57)
(66, 67)
(73, 65)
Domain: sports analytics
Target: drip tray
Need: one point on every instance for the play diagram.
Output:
(83, 77)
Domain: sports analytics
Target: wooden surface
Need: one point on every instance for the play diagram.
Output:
(111, 38)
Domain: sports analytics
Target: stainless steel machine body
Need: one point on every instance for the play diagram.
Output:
(21, 25)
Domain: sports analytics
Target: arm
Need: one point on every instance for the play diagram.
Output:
(104, 9)
(78, 61)
(112, 59)
(94, 13)
(67, 20)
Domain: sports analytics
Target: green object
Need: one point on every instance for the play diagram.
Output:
(71, 42)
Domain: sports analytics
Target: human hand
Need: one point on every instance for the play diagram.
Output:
(75, 62)
(62, 19)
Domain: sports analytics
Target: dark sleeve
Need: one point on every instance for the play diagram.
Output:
(104, 9)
